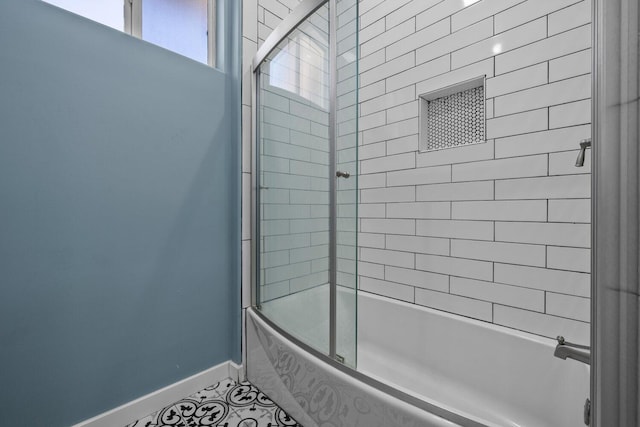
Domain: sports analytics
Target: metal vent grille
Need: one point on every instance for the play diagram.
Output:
(454, 120)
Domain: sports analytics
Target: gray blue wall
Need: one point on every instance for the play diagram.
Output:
(119, 215)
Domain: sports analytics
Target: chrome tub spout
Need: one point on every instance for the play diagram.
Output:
(565, 349)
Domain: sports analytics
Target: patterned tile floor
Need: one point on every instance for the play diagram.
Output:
(226, 404)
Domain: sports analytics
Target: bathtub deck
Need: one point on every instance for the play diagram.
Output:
(227, 403)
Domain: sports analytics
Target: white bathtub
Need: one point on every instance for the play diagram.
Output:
(461, 372)
(490, 374)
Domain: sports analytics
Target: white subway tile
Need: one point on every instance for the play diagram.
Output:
(560, 92)
(570, 17)
(498, 44)
(250, 19)
(370, 240)
(308, 281)
(286, 272)
(513, 296)
(371, 270)
(488, 109)
(372, 210)
(394, 226)
(408, 10)
(455, 41)
(572, 210)
(514, 81)
(462, 154)
(425, 210)
(246, 206)
(418, 39)
(286, 211)
(371, 31)
(565, 282)
(460, 267)
(479, 11)
(515, 124)
(453, 77)
(569, 306)
(572, 259)
(479, 190)
(371, 151)
(388, 289)
(275, 259)
(519, 167)
(246, 139)
(371, 61)
(308, 225)
(455, 304)
(422, 245)
(388, 163)
(564, 163)
(420, 279)
(388, 37)
(387, 69)
(246, 273)
(387, 257)
(512, 210)
(432, 175)
(367, 92)
(388, 100)
(402, 145)
(572, 114)
(544, 50)
(417, 74)
(541, 142)
(308, 254)
(439, 11)
(273, 291)
(395, 194)
(373, 120)
(376, 180)
(402, 112)
(553, 187)
(379, 11)
(541, 324)
(473, 230)
(527, 11)
(366, 6)
(391, 131)
(577, 235)
(511, 253)
(571, 65)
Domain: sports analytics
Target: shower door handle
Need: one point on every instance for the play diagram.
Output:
(344, 175)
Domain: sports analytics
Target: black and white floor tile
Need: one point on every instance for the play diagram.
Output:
(226, 404)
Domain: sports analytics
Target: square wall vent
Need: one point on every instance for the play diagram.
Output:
(453, 116)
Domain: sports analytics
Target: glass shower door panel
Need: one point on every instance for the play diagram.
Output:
(293, 173)
(346, 161)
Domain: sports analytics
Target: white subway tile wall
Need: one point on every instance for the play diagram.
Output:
(497, 231)
(501, 229)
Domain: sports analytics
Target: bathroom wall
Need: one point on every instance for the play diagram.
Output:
(497, 231)
(119, 266)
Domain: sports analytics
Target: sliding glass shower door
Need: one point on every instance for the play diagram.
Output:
(306, 184)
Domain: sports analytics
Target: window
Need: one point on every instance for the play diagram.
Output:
(186, 27)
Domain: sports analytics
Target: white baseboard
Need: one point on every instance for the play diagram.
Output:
(154, 401)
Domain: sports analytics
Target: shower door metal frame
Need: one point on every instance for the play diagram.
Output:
(615, 279)
(281, 32)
